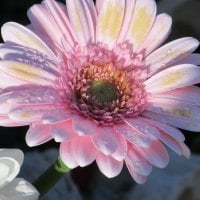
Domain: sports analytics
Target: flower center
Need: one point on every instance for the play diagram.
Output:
(103, 91)
(105, 86)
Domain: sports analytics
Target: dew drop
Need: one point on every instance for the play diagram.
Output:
(137, 164)
(169, 52)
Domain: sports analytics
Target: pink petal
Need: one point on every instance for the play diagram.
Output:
(109, 21)
(83, 150)
(170, 53)
(84, 126)
(174, 108)
(121, 151)
(143, 19)
(137, 163)
(189, 95)
(140, 179)
(172, 78)
(185, 150)
(108, 166)
(30, 113)
(27, 72)
(155, 154)
(25, 115)
(82, 15)
(13, 32)
(11, 51)
(61, 19)
(128, 15)
(171, 131)
(7, 81)
(190, 59)
(98, 4)
(30, 94)
(42, 19)
(132, 135)
(63, 131)
(105, 140)
(143, 127)
(55, 116)
(5, 121)
(67, 154)
(184, 123)
(38, 134)
(170, 142)
(162, 25)
(5, 107)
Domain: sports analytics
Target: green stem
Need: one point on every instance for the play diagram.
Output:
(50, 177)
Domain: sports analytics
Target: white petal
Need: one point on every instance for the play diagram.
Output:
(9, 170)
(19, 189)
(16, 154)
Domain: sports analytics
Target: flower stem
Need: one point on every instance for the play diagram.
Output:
(50, 177)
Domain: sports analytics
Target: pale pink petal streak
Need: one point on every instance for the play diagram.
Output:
(109, 21)
(105, 140)
(50, 14)
(174, 77)
(13, 32)
(27, 72)
(38, 134)
(171, 131)
(157, 35)
(175, 109)
(62, 131)
(188, 95)
(184, 123)
(121, 151)
(83, 150)
(108, 166)
(128, 15)
(170, 53)
(133, 135)
(83, 126)
(98, 5)
(155, 154)
(54, 116)
(67, 154)
(190, 59)
(82, 15)
(142, 21)
(137, 163)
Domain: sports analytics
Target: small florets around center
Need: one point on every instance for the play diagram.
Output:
(106, 86)
(103, 91)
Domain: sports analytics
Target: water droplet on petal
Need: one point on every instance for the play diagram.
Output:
(137, 164)
(169, 52)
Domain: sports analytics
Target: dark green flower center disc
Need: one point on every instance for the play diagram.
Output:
(103, 91)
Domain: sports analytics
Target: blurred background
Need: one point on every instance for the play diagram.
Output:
(89, 181)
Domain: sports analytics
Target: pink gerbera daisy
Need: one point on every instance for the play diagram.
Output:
(93, 78)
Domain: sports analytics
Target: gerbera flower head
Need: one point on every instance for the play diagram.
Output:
(94, 78)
